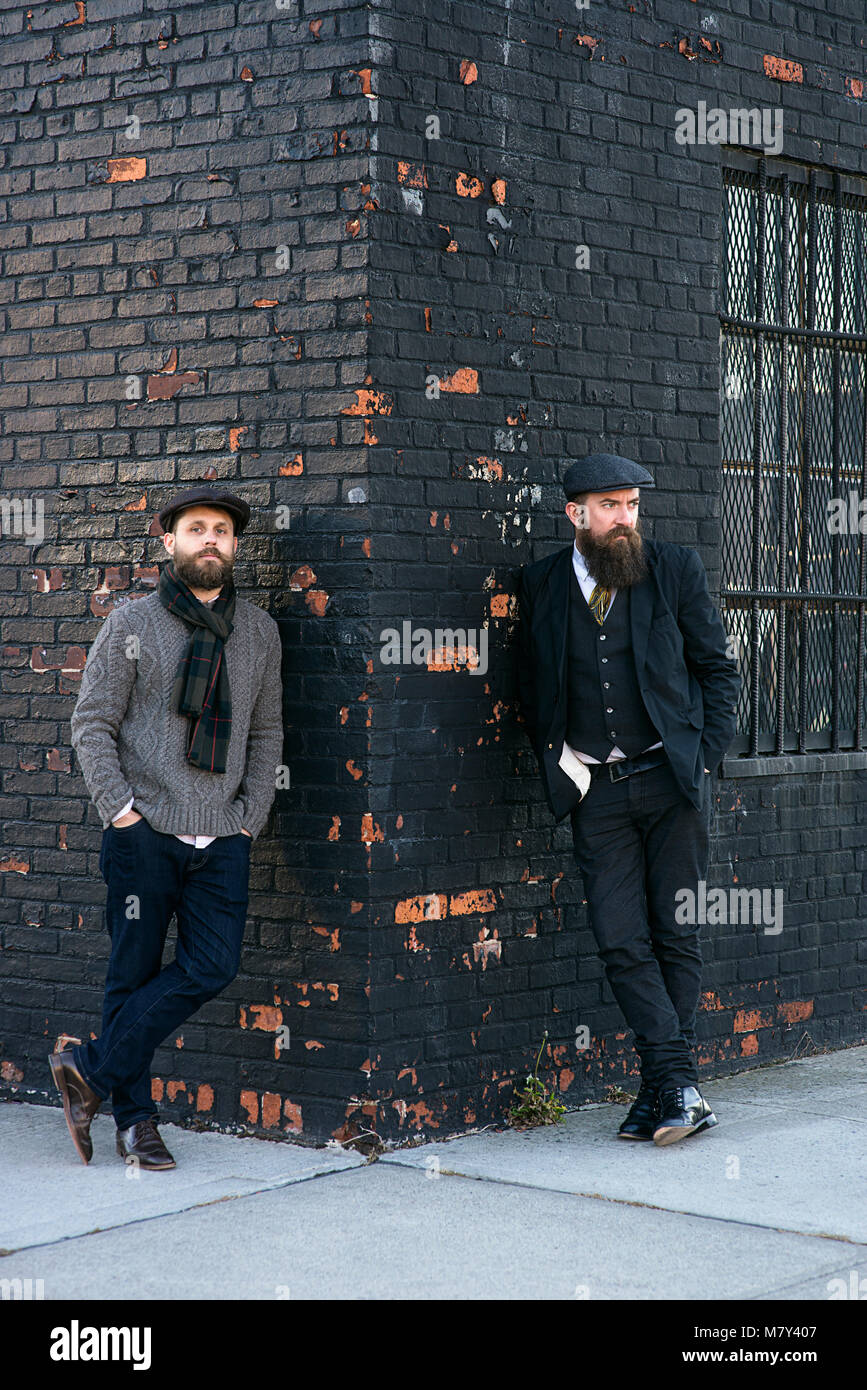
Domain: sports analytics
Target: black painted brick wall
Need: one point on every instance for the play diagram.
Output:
(416, 920)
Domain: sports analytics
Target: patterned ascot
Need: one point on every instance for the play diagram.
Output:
(201, 688)
(599, 602)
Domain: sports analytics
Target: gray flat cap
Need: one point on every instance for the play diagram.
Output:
(599, 472)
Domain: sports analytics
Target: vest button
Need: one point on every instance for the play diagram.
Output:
(609, 710)
(604, 660)
(602, 637)
(613, 733)
(605, 685)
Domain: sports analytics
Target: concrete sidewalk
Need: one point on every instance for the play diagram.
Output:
(769, 1205)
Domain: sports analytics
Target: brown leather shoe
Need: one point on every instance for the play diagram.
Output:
(80, 1103)
(142, 1145)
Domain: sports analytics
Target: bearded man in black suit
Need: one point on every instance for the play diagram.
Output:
(629, 696)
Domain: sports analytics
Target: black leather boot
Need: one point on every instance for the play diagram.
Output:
(643, 1116)
(682, 1111)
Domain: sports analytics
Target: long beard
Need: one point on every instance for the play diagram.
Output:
(209, 573)
(613, 563)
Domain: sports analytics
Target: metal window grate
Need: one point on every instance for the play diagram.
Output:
(793, 433)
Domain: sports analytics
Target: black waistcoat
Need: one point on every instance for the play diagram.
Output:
(605, 703)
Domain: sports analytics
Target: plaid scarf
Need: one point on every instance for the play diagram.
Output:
(201, 688)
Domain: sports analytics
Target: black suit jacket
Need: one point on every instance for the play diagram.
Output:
(688, 683)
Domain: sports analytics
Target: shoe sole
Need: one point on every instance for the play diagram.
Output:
(60, 1082)
(676, 1132)
(622, 1135)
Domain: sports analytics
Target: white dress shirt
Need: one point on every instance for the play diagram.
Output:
(198, 841)
(579, 564)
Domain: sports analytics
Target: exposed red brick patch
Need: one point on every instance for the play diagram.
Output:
(354, 771)
(370, 831)
(292, 467)
(302, 578)
(127, 170)
(250, 1103)
(314, 26)
(293, 1117)
(412, 942)
(71, 23)
(9, 1071)
(157, 1088)
(749, 1045)
(453, 245)
(47, 580)
(56, 761)
(246, 75)
(235, 433)
(267, 1017)
(855, 87)
(465, 380)
(174, 1088)
(468, 187)
(317, 601)
(334, 832)
(70, 662)
(311, 1043)
(498, 191)
(353, 226)
(265, 303)
(469, 72)
(585, 41)
(369, 402)
(412, 175)
(782, 69)
(427, 907)
(270, 1110)
(204, 1097)
(796, 1010)
(476, 900)
(684, 49)
(427, 319)
(139, 506)
(748, 1019)
(364, 75)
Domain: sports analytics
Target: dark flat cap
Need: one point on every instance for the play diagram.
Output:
(599, 472)
(207, 497)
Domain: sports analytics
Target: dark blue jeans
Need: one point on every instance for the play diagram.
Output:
(150, 877)
(638, 843)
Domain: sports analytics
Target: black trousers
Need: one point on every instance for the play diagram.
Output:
(637, 843)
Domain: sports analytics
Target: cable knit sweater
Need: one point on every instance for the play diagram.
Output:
(131, 743)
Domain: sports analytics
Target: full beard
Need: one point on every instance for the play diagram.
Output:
(209, 573)
(613, 563)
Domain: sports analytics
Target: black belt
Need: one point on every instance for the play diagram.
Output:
(625, 767)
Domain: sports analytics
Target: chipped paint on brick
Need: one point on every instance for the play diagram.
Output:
(369, 402)
(271, 1103)
(412, 943)
(370, 831)
(498, 191)
(468, 71)
(427, 907)
(782, 69)
(127, 170)
(475, 900)
(72, 23)
(250, 1103)
(204, 1097)
(486, 946)
(588, 42)
(292, 468)
(301, 578)
(246, 75)
(317, 601)
(356, 772)
(468, 187)
(465, 380)
(796, 1010)
(334, 832)
(411, 175)
(749, 1045)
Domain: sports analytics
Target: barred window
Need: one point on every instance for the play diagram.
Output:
(793, 435)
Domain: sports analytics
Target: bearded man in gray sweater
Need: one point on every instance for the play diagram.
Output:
(178, 732)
